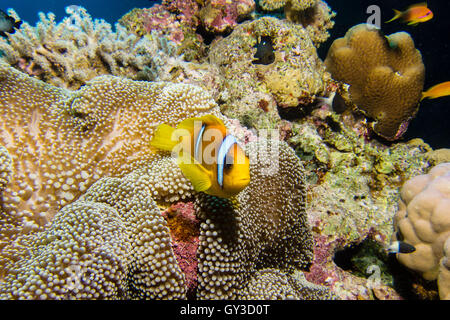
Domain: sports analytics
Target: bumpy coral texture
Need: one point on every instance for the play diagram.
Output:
(293, 80)
(77, 49)
(277, 4)
(264, 227)
(60, 142)
(444, 273)
(272, 284)
(386, 76)
(5, 168)
(113, 242)
(423, 220)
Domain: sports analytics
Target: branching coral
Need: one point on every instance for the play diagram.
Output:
(70, 53)
(423, 220)
(60, 142)
(385, 74)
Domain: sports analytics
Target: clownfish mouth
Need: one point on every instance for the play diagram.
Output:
(244, 181)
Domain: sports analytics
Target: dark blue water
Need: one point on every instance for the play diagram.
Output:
(432, 39)
(110, 10)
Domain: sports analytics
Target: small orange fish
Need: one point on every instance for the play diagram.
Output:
(415, 14)
(439, 90)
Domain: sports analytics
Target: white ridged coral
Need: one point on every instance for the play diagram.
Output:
(70, 53)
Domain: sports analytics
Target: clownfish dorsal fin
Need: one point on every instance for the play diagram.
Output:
(194, 172)
(212, 120)
(208, 119)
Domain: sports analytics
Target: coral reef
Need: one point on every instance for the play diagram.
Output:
(264, 227)
(385, 74)
(180, 19)
(353, 190)
(60, 142)
(423, 220)
(68, 54)
(298, 5)
(113, 242)
(444, 273)
(314, 15)
(219, 16)
(251, 92)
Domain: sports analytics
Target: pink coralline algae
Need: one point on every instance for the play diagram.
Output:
(185, 10)
(320, 271)
(184, 230)
(159, 19)
(218, 16)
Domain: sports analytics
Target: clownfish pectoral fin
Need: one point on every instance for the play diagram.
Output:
(162, 139)
(397, 15)
(195, 172)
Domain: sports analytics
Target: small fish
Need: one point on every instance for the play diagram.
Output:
(335, 101)
(400, 247)
(207, 155)
(415, 14)
(437, 91)
(8, 24)
(264, 51)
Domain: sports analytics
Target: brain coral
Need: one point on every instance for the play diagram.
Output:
(423, 220)
(60, 141)
(114, 243)
(385, 74)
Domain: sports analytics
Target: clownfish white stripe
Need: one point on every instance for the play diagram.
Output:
(227, 143)
(197, 149)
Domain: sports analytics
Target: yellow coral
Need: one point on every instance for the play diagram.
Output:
(297, 5)
(60, 142)
(423, 220)
(385, 74)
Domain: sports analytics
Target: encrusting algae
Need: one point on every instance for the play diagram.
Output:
(94, 203)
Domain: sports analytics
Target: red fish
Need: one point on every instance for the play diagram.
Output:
(414, 15)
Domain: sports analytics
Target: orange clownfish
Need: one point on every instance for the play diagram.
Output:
(439, 90)
(207, 155)
(415, 14)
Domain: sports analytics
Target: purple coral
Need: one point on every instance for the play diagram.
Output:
(219, 16)
(184, 230)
